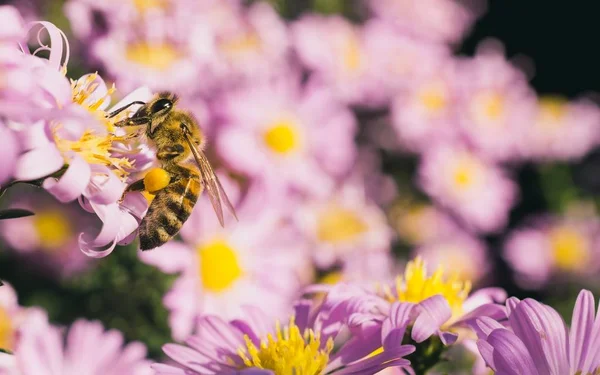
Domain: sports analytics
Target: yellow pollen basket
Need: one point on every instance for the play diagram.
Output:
(339, 224)
(7, 331)
(416, 285)
(156, 179)
(219, 266)
(570, 248)
(53, 229)
(282, 137)
(154, 56)
(94, 148)
(433, 97)
(290, 352)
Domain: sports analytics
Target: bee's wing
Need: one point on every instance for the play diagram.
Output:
(211, 182)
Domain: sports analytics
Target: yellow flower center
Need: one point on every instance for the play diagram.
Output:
(551, 111)
(94, 148)
(282, 137)
(6, 331)
(488, 106)
(337, 224)
(289, 352)
(352, 57)
(416, 285)
(53, 229)
(219, 266)
(153, 56)
(433, 97)
(466, 172)
(570, 248)
(146, 5)
(241, 45)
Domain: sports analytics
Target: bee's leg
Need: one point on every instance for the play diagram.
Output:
(119, 110)
(132, 121)
(169, 152)
(134, 186)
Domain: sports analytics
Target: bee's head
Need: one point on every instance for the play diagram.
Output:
(158, 109)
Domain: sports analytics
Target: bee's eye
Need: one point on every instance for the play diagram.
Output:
(161, 104)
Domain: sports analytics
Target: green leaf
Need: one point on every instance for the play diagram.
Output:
(14, 213)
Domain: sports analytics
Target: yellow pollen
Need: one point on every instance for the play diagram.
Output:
(337, 224)
(219, 266)
(53, 229)
(551, 111)
(94, 148)
(153, 56)
(156, 180)
(6, 331)
(289, 352)
(240, 45)
(416, 285)
(282, 137)
(570, 248)
(352, 55)
(433, 97)
(490, 105)
(466, 172)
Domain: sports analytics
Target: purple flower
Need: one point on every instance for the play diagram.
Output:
(536, 340)
(302, 345)
(289, 136)
(479, 192)
(421, 224)
(86, 349)
(259, 258)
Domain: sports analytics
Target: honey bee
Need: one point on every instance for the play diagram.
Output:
(177, 138)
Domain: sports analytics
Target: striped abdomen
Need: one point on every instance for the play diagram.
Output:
(168, 211)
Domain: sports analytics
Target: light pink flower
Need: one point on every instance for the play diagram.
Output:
(257, 260)
(343, 225)
(287, 135)
(86, 349)
(47, 240)
(561, 129)
(550, 247)
(496, 103)
(464, 254)
(420, 223)
(437, 20)
(425, 112)
(478, 192)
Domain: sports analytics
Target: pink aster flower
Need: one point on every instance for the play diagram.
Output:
(561, 129)
(259, 258)
(401, 59)
(338, 54)
(420, 224)
(478, 192)
(8, 153)
(287, 135)
(437, 20)
(67, 140)
(537, 341)
(48, 239)
(343, 225)
(15, 319)
(551, 246)
(496, 103)
(461, 252)
(86, 349)
(303, 345)
(425, 112)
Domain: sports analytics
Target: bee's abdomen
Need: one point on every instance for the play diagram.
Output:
(170, 208)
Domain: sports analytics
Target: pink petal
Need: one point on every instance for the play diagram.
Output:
(510, 354)
(72, 183)
(38, 163)
(435, 311)
(580, 335)
(105, 187)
